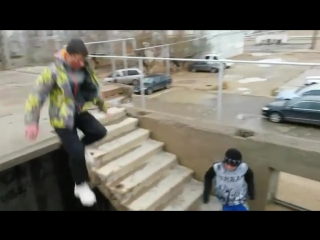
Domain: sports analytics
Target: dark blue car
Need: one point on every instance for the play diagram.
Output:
(154, 82)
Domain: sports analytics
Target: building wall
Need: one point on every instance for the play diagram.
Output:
(226, 43)
(43, 184)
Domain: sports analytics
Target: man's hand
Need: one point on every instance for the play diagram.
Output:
(32, 132)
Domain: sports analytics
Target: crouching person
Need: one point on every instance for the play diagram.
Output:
(71, 86)
(233, 182)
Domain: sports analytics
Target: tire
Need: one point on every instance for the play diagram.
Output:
(135, 82)
(193, 70)
(168, 85)
(275, 117)
(149, 91)
(214, 70)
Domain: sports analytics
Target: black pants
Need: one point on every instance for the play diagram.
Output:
(93, 131)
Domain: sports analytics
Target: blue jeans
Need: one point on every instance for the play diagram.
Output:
(235, 208)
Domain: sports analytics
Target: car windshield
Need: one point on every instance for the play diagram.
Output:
(300, 88)
(149, 80)
(307, 88)
(293, 101)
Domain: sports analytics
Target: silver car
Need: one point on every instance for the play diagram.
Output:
(309, 90)
(125, 76)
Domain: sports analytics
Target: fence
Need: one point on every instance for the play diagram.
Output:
(220, 77)
(186, 49)
(112, 47)
(34, 47)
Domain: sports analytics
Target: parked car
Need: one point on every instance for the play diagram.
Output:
(308, 90)
(154, 83)
(204, 67)
(217, 57)
(303, 110)
(311, 80)
(125, 76)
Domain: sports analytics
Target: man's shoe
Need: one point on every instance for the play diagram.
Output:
(85, 194)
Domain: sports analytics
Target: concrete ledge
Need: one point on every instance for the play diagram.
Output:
(40, 148)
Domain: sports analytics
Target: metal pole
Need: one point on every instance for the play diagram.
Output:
(168, 61)
(124, 53)
(134, 44)
(4, 50)
(220, 86)
(56, 39)
(113, 62)
(44, 38)
(143, 100)
(23, 44)
(314, 39)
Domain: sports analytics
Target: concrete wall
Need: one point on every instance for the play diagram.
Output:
(198, 147)
(43, 184)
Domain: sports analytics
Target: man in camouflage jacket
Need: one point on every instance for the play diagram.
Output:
(72, 87)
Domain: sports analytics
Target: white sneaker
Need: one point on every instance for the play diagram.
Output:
(85, 194)
(89, 158)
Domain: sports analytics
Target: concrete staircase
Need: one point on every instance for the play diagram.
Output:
(135, 174)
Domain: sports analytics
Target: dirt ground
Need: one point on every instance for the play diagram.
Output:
(272, 77)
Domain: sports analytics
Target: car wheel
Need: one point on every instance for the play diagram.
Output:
(149, 91)
(275, 117)
(135, 82)
(193, 70)
(115, 80)
(214, 70)
(168, 85)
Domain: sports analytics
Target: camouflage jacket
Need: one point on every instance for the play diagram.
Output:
(53, 83)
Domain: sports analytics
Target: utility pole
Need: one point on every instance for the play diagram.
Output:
(314, 39)
(4, 50)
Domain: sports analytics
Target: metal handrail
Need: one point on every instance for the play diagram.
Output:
(206, 60)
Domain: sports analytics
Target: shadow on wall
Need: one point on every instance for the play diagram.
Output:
(43, 184)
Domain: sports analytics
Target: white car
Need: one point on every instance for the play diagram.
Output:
(306, 90)
(216, 57)
(312, 80)
(125, 76)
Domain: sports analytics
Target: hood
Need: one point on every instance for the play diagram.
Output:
(287, 94)
(60, 55)
(277, 104)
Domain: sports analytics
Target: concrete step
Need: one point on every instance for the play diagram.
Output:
(163, 191)
(117, 129)
(111, 150)
(212, 205)
(118, 168)
(189, 199)
(142, 179)
(113, 114)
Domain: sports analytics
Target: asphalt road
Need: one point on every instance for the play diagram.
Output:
(202, 106)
